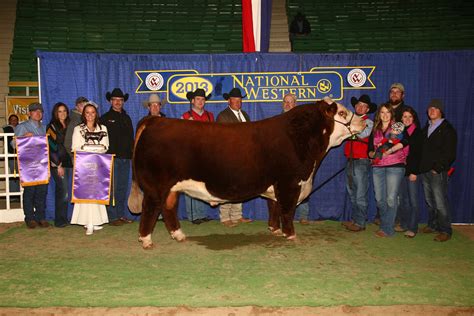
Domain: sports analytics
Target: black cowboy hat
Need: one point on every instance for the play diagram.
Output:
(117, 93)
(198, 93)
(235, 93)
(366, 99)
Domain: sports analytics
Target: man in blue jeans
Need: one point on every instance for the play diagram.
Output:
(358, 165)
(34, 197)
(120, 128)
(437, 155)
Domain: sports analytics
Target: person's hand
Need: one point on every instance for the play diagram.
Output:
(371, 154)
(412, 177)
(28, 134)
(60, 171)
(433, 171)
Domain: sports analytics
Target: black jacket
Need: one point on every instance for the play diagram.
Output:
(57, 151)
(9, 129)
(399, 111)
(438, 150)
(120, 129)
(415, 141)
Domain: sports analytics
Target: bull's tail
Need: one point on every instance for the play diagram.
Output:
(135, 198)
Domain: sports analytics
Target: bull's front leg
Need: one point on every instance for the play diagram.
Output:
(150, 212)
(274, 214)
(287, 197)
(170, 217)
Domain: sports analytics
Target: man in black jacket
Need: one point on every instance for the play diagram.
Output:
(438, 153)
(120, 128)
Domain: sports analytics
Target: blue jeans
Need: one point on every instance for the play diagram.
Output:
(119, 189)
(61, 196)
(357, 185)
(34, 202)
(408, 208)
(196, 209)
(303, 210)
(386, 186)
(435, 187)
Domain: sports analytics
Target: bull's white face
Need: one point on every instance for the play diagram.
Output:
(342, 128)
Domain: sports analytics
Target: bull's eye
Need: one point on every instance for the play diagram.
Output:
(343, 114)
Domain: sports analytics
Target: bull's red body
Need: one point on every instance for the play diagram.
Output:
(235, 161)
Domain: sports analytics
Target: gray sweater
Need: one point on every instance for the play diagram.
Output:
(75, 120)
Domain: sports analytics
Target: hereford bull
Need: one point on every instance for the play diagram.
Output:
(215, 162)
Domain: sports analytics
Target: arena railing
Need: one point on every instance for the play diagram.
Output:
(11, 203)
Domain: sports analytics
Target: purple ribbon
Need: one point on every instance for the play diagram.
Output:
(33, 160)
(92, 175)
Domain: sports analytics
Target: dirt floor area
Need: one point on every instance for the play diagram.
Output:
(248, 310)
(467, 230)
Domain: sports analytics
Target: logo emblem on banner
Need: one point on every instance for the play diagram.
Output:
(154, 81)
(308, 86)
(356, 77)
(324, 85)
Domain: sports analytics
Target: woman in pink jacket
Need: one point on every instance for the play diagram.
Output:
(388, 171)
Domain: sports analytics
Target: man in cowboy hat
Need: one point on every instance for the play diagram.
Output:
(198, 100)
(34, 197)
(120, 128)
(196, 209)
(233, 113)
(154, 104)
(231, 214)
(358, 165)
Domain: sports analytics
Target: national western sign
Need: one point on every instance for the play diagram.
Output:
(259, 87)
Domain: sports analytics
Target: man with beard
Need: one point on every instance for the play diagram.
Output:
(396, 99)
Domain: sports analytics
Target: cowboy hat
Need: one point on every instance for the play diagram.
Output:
(234, 93)
(117, 93)
(198, 93)
(365, 99)
(153, 98)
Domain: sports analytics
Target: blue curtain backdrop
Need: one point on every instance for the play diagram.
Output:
(446, 75)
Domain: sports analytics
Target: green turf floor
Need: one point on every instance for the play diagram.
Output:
(219, 266)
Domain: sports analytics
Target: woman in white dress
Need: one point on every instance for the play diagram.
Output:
(89, 214)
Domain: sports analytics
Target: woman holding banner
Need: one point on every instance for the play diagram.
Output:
(61, 164)
(90, 136)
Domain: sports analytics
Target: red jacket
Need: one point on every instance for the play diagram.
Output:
(359, 148)
(205, 117)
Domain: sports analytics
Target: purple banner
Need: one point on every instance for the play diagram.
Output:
(92, 178)
(33, 160)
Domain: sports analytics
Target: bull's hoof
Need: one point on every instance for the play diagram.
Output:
(146, 241)
(148, 246)
(275, 231)
(178, 235)
(292, 237)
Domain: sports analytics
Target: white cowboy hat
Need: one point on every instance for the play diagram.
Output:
(152, 99)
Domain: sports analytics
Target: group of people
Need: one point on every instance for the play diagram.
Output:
(394, 148)
(400, 154)
(67, 133)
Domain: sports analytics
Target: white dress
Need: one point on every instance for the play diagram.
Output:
(89, 213)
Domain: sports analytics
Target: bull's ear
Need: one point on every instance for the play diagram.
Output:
(331, 109)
